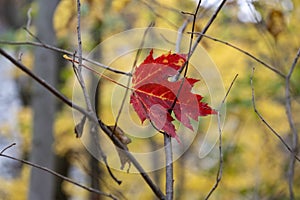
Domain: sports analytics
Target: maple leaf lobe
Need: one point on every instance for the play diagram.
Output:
(154, 95)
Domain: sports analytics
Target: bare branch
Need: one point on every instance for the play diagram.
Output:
(69, 53)
(193, 48)
(79, 68)
(115, 140)
(169, 167)
(32, 35)
(220, 169)
(79, 37)
(28, 18)
(295, 144)
(45, 169)
(103, 126)
(265, 122)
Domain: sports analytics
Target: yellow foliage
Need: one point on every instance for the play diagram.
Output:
(66, 140)
(118, 5)
(8, 188)
(64, 18)
(25, 125)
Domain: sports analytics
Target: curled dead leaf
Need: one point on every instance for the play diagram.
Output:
(275, 22)
(119, 133)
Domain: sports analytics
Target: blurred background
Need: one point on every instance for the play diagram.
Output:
(256, 164)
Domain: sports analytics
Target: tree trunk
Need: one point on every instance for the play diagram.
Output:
(43, 104)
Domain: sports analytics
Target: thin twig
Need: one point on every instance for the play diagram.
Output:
(265, 122)
(69, 53)
(103, 126)
(95, 136)
(142, 172)
(129, 78)
(288, 109)
(180, 34)
(86, 168)
(78, 72)
(186, 64)
(229, 89)
(79, 36)
(79, 68)
(205, 29)
(193, 48)
(45, 169)
(220, 169)
(244, 52)
(8, 147)
(28, 19)
(33, 36)
(191, 39)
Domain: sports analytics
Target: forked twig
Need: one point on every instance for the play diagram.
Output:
(205, 29)
(193, 48)
(220, 169)
(8, 147)
(103, 126)
(288, 108)
(167, 138)
(45, 169)
(186, 65)
(79, 66)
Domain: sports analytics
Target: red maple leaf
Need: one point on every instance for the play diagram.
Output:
(154, 94)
